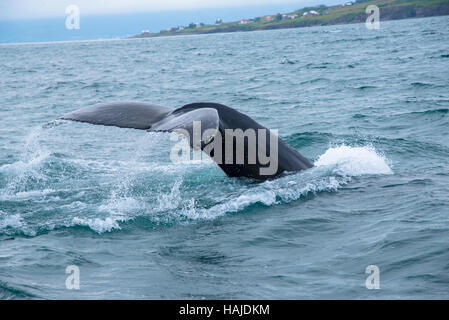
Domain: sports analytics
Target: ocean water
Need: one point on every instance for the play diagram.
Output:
(370, 108)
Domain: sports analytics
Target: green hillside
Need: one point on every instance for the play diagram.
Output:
(340, 14)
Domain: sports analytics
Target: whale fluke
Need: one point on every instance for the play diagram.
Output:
(136, 115)
(251, 158)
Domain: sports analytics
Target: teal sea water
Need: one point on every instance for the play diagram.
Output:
(370, 108)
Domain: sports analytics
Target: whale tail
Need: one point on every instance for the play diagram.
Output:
(238, 144)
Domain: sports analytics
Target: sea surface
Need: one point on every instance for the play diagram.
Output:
(370, 108)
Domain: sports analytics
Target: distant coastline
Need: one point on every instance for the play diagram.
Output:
(350, 12)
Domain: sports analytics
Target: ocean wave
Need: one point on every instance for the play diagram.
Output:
(8, 292)
(433, 111)
(322, 65)
(183, 203)
(365, 87)
(96, 224)
(421, 84)
(332, 170)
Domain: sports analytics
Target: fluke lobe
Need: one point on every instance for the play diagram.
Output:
(238, 144)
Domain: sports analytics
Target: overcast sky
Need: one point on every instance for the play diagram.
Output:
(29, 9)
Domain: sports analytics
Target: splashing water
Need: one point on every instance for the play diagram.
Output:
(133, 195)
(354, 161)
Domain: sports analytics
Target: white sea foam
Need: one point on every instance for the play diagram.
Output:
(97, 224)
(121, 206)
(22, 166)
(171, 200)
(24, 195)
(354, 161)
(283, 190)
(11, 221)
(29, 165)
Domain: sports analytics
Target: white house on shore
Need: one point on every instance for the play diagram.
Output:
(310, 13)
